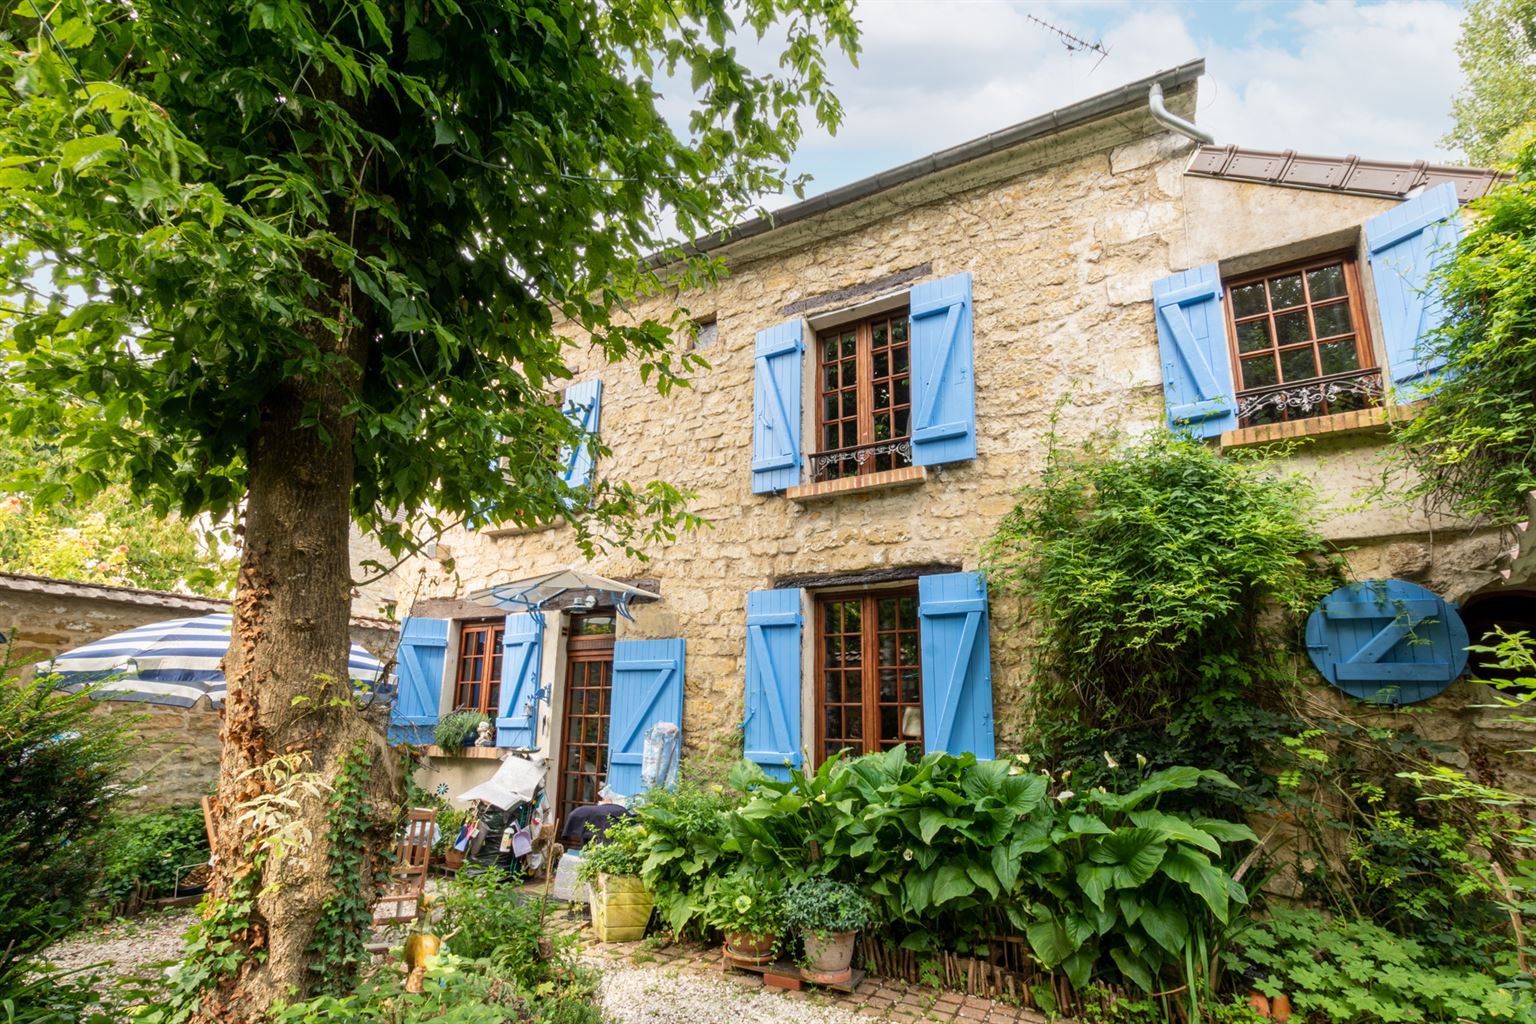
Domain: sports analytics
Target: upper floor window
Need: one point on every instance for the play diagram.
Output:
(477, 680)
(864, 398)
(1300, 342)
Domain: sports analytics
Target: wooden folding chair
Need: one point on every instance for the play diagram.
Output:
(408, 878)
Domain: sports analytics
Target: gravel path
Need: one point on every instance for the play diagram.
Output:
(128, 944)
(668, 995)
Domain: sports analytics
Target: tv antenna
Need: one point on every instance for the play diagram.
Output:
(1072, 42)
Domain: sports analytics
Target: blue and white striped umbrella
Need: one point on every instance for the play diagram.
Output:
(172, 662)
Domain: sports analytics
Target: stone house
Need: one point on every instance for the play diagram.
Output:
(885, 361)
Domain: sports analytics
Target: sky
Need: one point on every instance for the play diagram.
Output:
(1372, 78)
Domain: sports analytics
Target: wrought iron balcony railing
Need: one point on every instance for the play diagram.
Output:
(1339, 392)
(863, 458)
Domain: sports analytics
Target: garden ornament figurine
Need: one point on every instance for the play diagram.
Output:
(486, 733)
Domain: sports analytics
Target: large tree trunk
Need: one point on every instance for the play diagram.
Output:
(289, 698)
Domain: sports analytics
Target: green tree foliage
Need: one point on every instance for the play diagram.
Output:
(64, 766)
(1150, 569)
(1474, 446)
(112, 538)
(323, 260)
(1498, 60)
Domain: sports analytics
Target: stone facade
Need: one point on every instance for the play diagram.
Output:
(1063, 235)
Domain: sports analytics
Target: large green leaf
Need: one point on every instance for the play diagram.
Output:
(1167, 926)
(1173, 827)
(951, 884)
(1193, 869)
(1132, 967)
(1132, 853)
(1049, 942)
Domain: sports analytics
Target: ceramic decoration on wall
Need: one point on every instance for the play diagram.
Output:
(1387, 641)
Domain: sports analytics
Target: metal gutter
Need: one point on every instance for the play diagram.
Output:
(1163, 116)
(1126, 97)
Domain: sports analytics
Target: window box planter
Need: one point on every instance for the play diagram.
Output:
(620, 908)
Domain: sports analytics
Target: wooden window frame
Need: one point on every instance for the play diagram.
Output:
(1354, 296)
(490, 662)
(870, 673)
(865, 411)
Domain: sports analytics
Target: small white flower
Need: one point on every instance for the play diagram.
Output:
(906, 854)
(1141, 762)
(1113, 764)
(1065, 795)
(1022, 758)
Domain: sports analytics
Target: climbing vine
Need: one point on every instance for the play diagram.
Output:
(1154, 572)
(339, 947)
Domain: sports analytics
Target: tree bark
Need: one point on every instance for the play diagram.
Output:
(289, 695)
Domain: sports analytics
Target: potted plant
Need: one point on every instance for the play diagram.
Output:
(748, 907)
(456, 730)
(828, 914)
(449, 821)
(621, 906)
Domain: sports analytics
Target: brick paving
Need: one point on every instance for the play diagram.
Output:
(875, 998)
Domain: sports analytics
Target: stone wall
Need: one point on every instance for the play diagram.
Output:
(178, 758)
(1063, 237)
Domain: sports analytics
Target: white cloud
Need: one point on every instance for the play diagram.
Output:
(1321, 77)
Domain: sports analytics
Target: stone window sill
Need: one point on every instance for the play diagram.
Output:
(519, 531)
(906, 476)
(433, 750)
(1356, 421)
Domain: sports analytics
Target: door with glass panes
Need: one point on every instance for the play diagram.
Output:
(588, 693)
(869, 673)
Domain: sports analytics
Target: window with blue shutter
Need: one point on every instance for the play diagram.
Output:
(1192, 344)
(419, 674)
(1387, 641)
(957, 664)
(771, 720)
(647, 690)
(1406, 244)
(583, 407)
(776, 408)
(943, 372)
(522, 654)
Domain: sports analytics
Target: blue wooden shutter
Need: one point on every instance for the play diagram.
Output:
(647, 689)
(1387, 641)
(957, 664)
(776, 408)
(1406, 243)
(522, 652)
(583, 407)
(419, 674)
(771, 720)
(943, 372)
(1192, 343)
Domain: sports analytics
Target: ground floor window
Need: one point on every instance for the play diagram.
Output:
(477, 682)
(869, 691)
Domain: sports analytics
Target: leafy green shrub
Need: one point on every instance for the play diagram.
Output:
(623, 850)
(1473, 449)
(747, 902)
(1149, 569)
(685, 834)
(456, 991)
(456, 728)
(1347, 971)
(1103, 885)
(484, 912)
(146, 850)
(822, 906)
(63, 765)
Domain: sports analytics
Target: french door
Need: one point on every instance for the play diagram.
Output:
(588, 697)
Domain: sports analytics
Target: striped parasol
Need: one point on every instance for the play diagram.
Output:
(173, 662)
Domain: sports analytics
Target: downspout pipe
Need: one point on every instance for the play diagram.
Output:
(1161, 115)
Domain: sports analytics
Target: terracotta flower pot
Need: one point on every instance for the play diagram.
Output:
(620, 908)
(750, 948)
(453, 859)
(828, 957)
(1280, 1008)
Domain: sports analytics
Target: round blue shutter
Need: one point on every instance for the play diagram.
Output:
(1387, 641)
